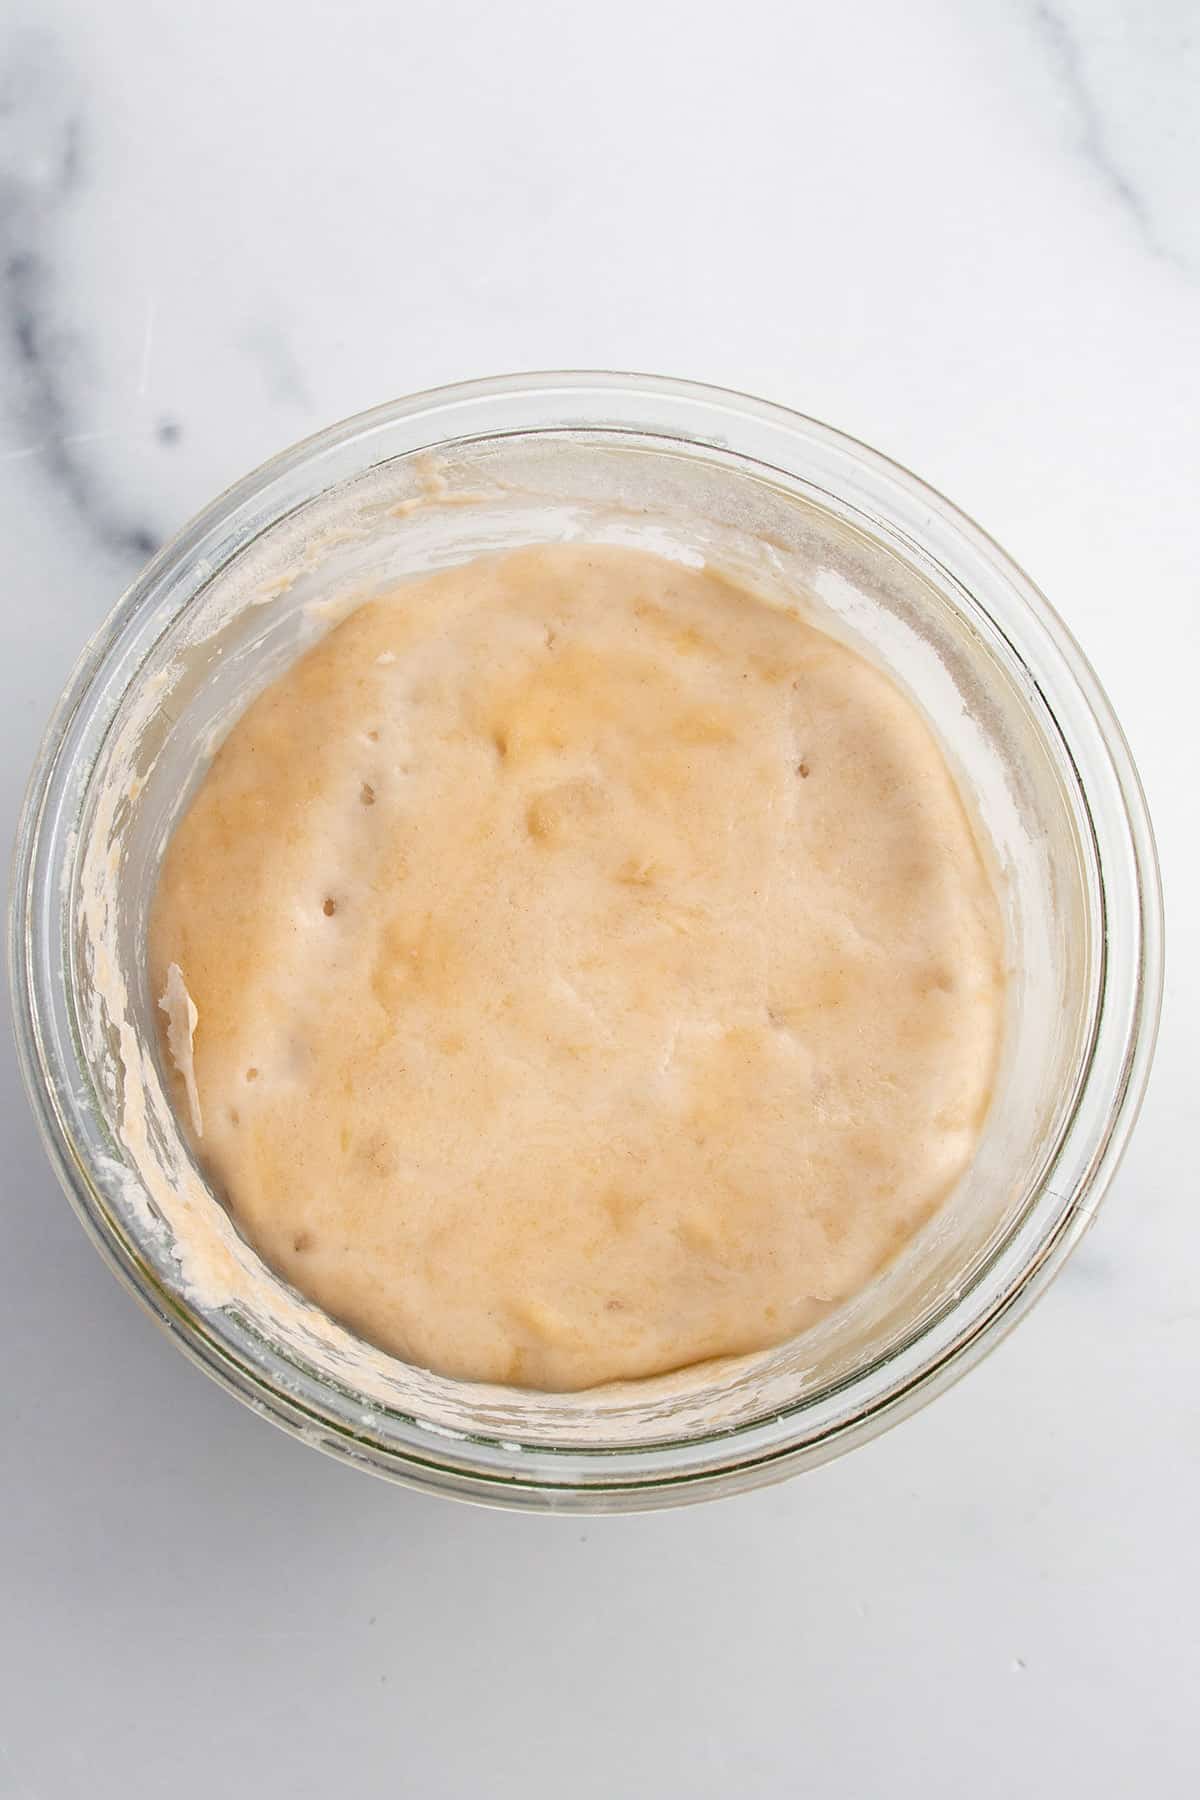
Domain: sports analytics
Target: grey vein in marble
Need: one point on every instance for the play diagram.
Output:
(42, 173)
(279, 368)
(1065, 48)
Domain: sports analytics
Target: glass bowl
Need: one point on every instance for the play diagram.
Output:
(789, 507)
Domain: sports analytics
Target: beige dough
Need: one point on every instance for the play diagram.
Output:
(594, 970)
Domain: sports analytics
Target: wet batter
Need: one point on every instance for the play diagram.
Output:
(576, 967)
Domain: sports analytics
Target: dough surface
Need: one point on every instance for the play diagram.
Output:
(594, 970)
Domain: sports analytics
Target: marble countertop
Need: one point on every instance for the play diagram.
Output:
(969, 235)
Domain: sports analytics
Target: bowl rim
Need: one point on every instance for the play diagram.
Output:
(1127, 1020)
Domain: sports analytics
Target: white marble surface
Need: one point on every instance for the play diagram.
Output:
(967, 232)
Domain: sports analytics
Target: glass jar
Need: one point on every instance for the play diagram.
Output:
(788, 506)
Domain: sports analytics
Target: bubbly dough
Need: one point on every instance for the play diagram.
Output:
(594, 970)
